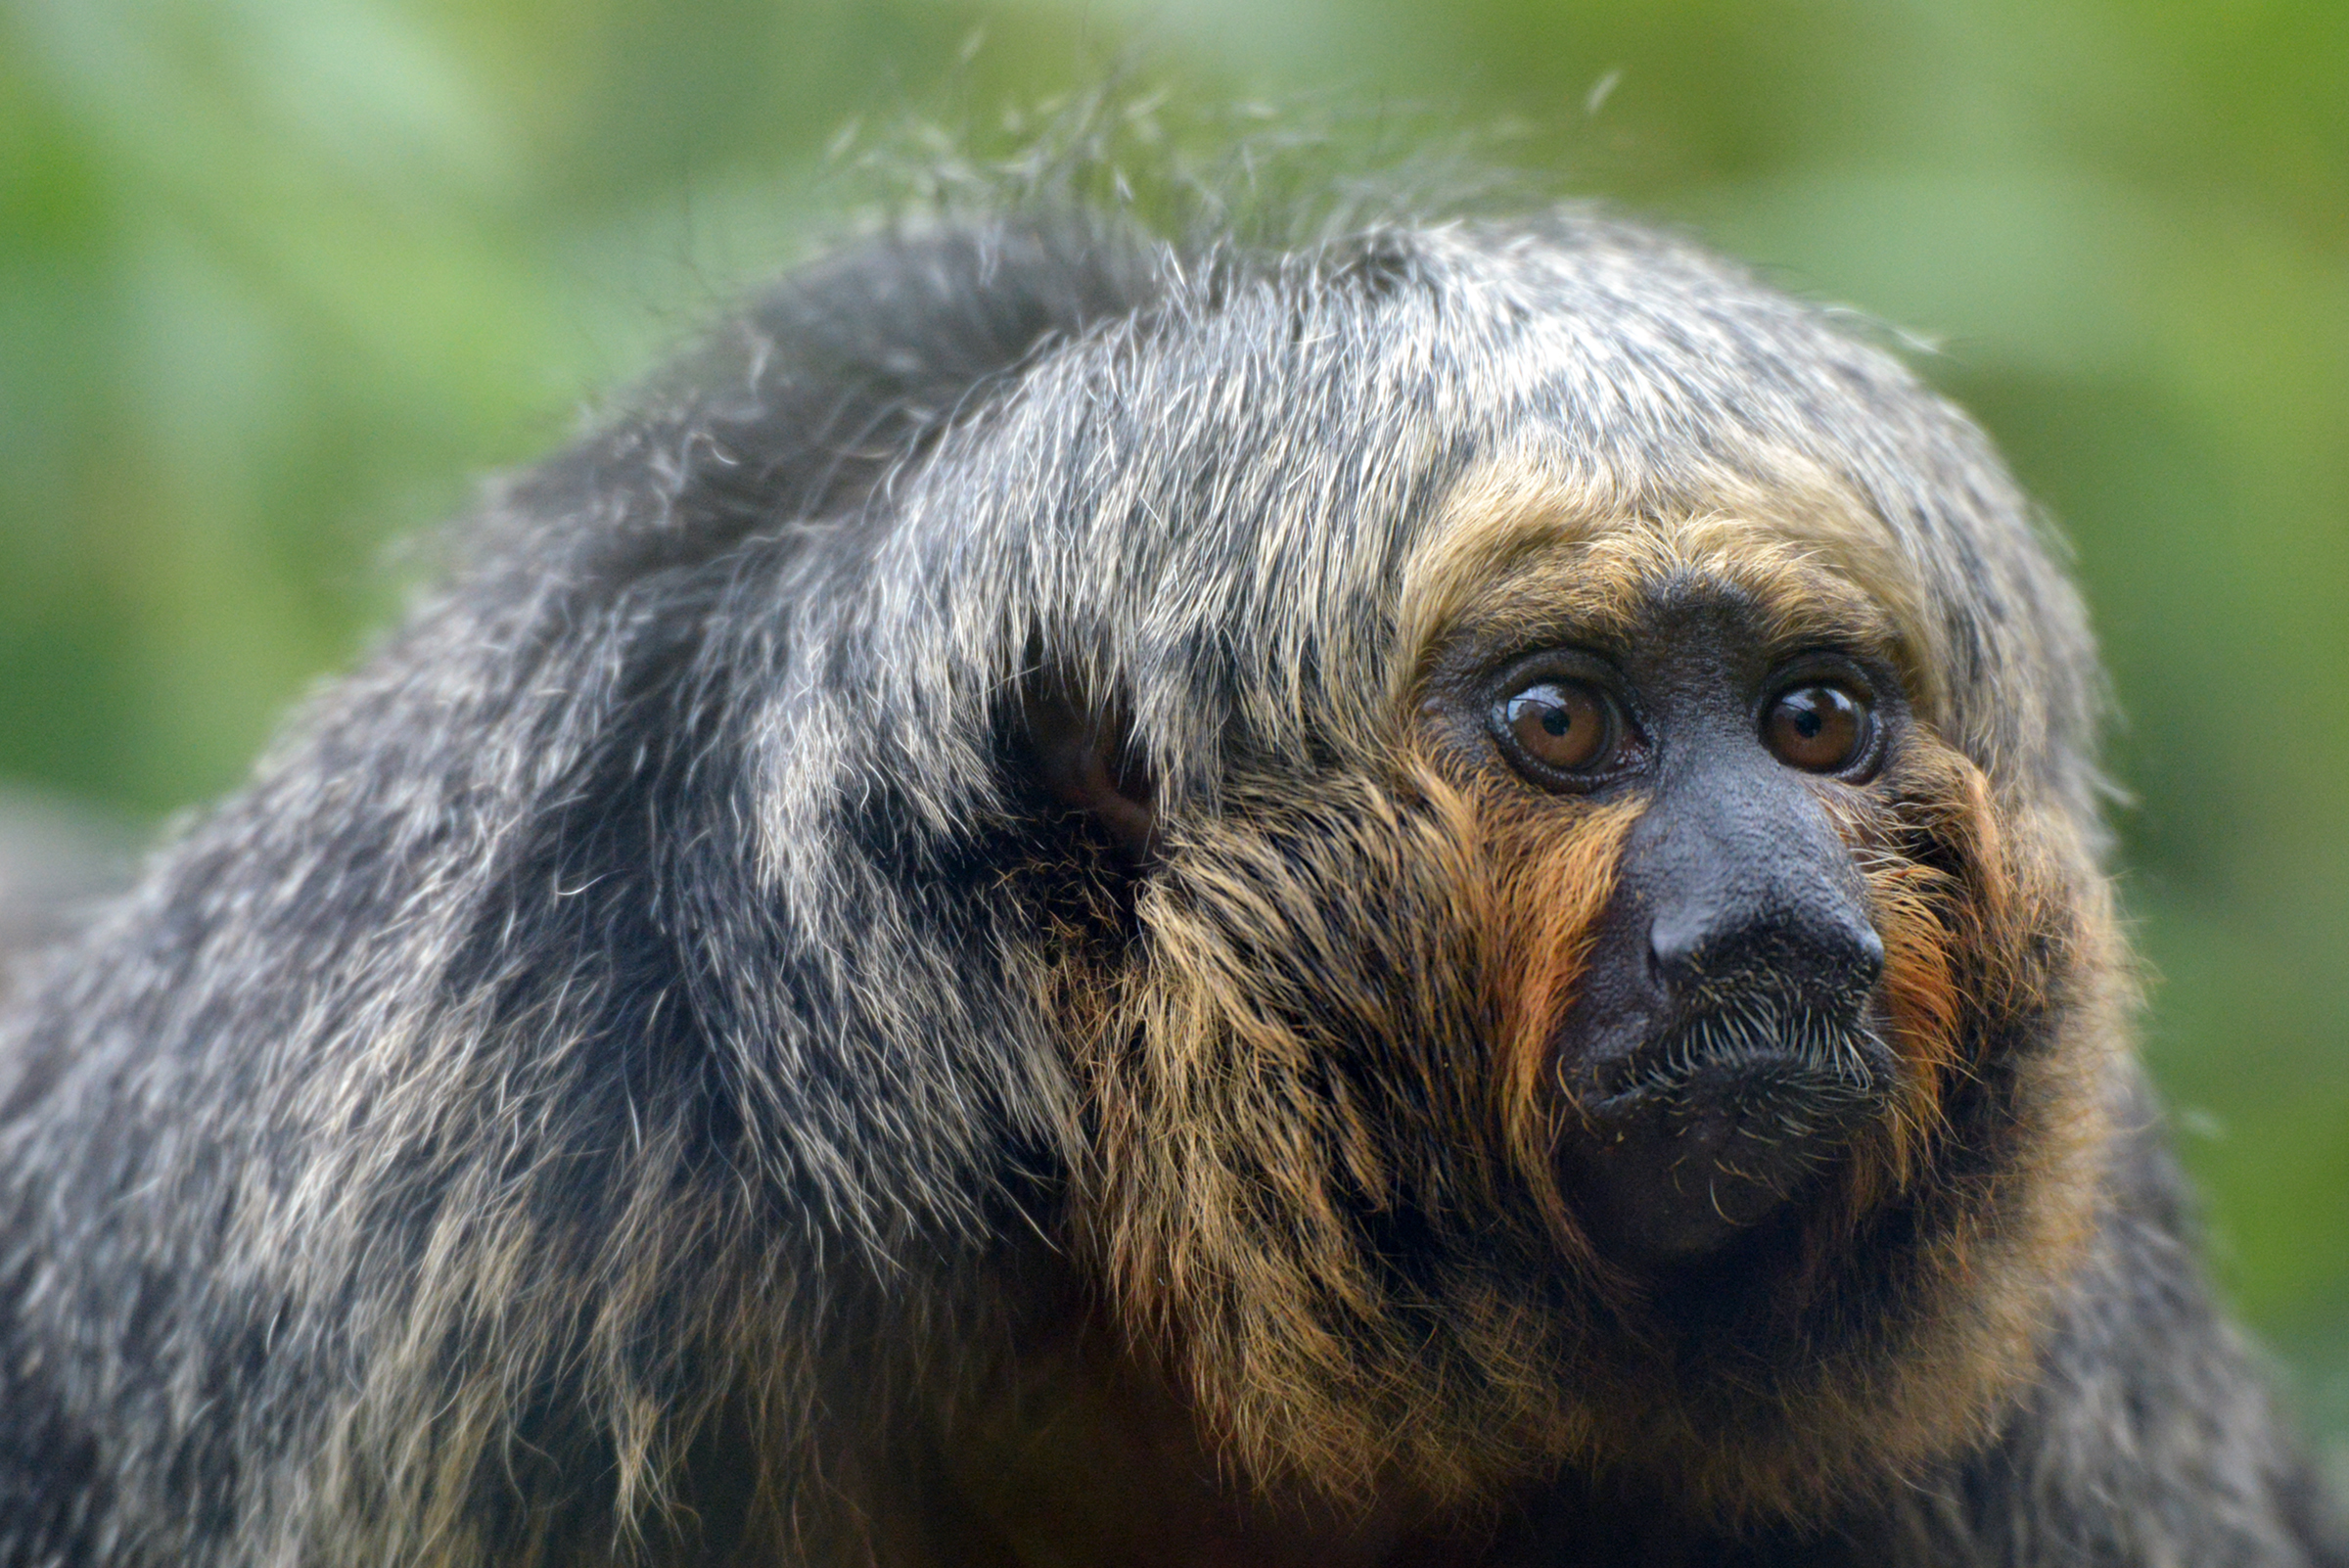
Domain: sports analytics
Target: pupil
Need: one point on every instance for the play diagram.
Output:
(1808, 722)
(1556, 720)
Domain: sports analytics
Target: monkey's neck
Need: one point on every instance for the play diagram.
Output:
(1082, 1456)
(1078, 1453)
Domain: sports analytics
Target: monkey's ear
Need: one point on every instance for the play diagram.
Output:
(1083, 758)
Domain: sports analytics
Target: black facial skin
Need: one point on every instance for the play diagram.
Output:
(1726, 1043)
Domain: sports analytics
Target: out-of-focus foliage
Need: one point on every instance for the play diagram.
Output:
(279, 277)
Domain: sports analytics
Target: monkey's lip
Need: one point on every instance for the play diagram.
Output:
(1710, 1128)
(1803, 1067)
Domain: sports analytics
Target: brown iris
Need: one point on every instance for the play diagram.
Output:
(1819, 730)
(1560, 725)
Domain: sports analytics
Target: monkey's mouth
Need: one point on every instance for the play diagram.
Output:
(1712, 1127)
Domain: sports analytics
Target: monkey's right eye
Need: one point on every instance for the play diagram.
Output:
(1562, 726)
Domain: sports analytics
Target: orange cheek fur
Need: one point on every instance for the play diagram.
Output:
(1550, 882)
(1938, 927)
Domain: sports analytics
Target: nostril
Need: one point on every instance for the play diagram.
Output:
(1676, 944)
(1686, 945)
(1870, 954)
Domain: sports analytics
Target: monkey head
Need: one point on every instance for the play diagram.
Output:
(1588, 946)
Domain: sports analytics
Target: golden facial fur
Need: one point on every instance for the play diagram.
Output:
(1327, 1117)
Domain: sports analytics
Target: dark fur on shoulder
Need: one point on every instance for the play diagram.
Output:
(888, 943)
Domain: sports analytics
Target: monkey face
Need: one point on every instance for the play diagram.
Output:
(1656, 1036)
(1727, 1043)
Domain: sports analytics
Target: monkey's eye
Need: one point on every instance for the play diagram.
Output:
(1819, 729)
(1561, 725)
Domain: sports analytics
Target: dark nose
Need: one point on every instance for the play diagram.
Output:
(1808, 940)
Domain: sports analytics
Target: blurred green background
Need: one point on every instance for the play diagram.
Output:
(279, 279)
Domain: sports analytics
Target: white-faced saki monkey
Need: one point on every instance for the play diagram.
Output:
(1431, 897)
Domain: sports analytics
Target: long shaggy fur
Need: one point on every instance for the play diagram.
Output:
(602, 1093)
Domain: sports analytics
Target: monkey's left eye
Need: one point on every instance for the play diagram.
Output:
(1819, 729)
(1562, 726)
